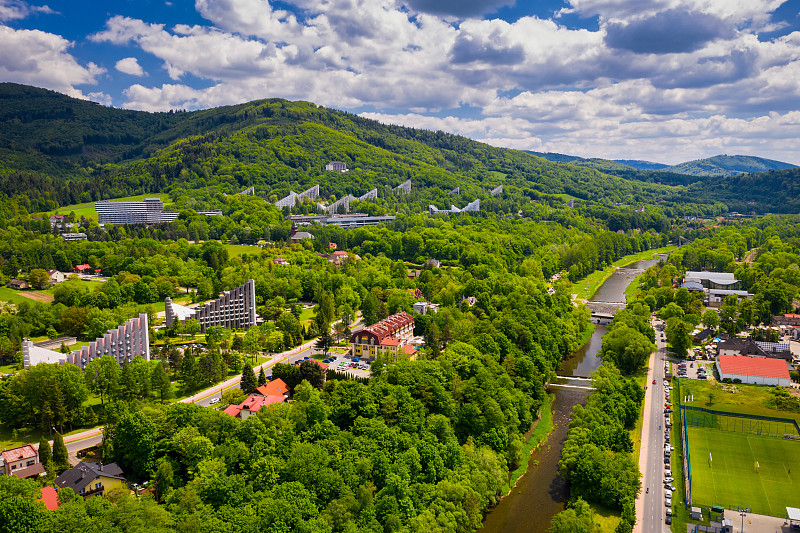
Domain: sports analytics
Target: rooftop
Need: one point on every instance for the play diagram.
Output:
(17, 454)
(753, 366)
(49, 498)
(276, 387)
(716, 277)
(85, 472)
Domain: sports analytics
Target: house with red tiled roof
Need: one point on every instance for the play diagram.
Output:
(385, 336)
(49, 497)
(276, 387)
(252, 405)
(22, 461)
(80, 269)
(754, 370)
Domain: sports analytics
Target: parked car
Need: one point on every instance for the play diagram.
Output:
(668, 519)
(668, 479)
(668, 502)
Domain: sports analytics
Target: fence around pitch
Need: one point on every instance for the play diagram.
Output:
(741, 423)
(687, 464)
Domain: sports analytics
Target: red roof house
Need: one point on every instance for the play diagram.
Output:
(22, 461)
(754, 370)
(276, 387)
(252, 404)
(80, 269)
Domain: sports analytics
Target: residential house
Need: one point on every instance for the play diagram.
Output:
(298, 236)
(788, 319)
(422, 308)
(57, 220)
(416, 293)
(332, 246)
(746, 347)
(702, 336)
(90, 479)
(280, 261)
(385, 336)
(252, 405)
(471, 300)
(22, 462)
(56, 276)
(435, 263)
(276, 387)
(18, 284)
(83, 269)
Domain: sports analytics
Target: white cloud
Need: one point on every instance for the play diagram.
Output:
(17, 9)
(535, 82)
(100, 97)
(130, 65)
(42, 59)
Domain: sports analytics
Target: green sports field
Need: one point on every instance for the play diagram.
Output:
(730, 479)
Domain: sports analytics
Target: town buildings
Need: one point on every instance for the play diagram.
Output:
(384, 337)
(22, 462)
(147, 211)
(90, 479)
(235, 309)
(124, 343)
(336, 166)
(275, 391)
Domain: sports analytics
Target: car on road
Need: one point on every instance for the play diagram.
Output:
(654, 382)
(213, 401)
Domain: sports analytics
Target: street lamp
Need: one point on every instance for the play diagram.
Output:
(742, 513)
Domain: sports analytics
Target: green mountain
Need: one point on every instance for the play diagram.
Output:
(728, 165)
(56, 150)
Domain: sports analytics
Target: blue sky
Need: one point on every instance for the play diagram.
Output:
(661, 80)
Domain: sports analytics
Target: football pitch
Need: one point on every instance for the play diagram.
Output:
(730, 478)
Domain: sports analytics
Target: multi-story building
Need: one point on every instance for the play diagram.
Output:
(235, 309)
(336, 166)
(147, 211)
(386, 336)
(130, 340)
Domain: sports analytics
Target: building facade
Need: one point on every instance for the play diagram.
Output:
(130, 340)
(386, 336)
(235, 309)
(22, 462)
(147, 211)
(754, 370)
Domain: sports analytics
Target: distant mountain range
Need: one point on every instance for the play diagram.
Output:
(717, 166)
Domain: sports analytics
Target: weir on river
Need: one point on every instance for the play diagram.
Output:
(541, 492)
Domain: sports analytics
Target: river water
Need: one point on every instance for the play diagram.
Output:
(541, 493)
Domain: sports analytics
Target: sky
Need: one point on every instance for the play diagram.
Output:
(658, 80)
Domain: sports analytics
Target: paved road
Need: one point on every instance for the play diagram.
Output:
(650, 507)
(93, 437)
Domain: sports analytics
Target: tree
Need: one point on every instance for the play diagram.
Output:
(160, 381)
(164, 478)
(103, 377)
(627, 348)
(191, 327)
(262, 377)
(370, 309)
(46, 456)
(39, 278)
(679, 336)
(325, 340)
(433, 339)
(248, 383)
(60, 454)
(312, 372)
(711, 319)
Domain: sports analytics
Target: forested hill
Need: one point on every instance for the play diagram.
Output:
(57, 150)
(728, 165)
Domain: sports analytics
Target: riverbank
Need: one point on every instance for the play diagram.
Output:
(541, 430)
(585, 288)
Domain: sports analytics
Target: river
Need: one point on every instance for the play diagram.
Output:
(541, 493)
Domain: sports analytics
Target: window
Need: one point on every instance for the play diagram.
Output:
(29, 463)
(98, 485)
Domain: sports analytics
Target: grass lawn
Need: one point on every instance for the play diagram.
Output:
(87, 209)
(235, 250)
(12, 296)
(307, 314)
(586, 287)
(730, 479)
(606, 518)
(748, 399)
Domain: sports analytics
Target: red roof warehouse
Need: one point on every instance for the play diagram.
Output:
(755, 370)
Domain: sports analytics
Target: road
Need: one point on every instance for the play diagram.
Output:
(650, 507)
(93, 437)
